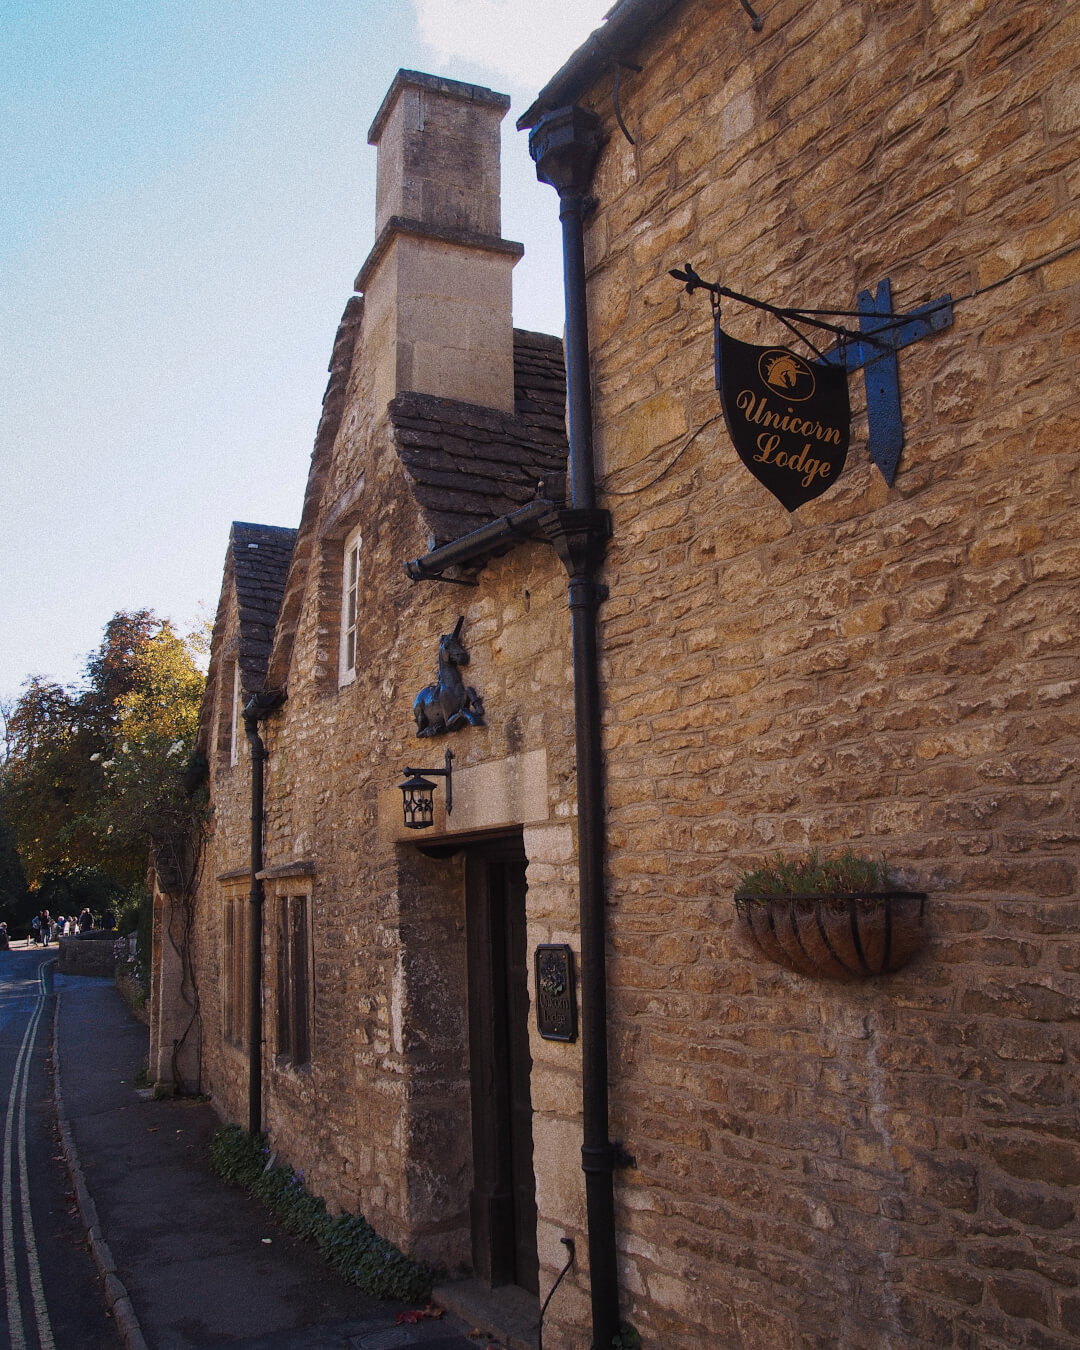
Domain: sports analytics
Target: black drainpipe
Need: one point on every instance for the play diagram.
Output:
(260, 706)
(564, 145)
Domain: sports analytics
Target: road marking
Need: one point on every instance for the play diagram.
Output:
(19, 1088)
(41, 1310)
(11, 1284)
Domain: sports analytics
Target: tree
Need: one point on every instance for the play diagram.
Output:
(50, 779)
(14, 902)
(156, 721)
(93, 773)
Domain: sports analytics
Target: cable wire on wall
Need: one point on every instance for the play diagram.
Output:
(819, 318)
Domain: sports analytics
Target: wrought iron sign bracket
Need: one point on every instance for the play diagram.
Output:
(882, 335)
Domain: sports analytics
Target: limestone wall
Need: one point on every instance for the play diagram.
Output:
(889, 1163)
(86, 956)
(224, 877)
(379, 1119)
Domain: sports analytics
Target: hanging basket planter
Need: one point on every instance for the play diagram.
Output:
(837, 936)
(839, 918)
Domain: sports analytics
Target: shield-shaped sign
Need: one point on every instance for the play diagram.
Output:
(789, 419)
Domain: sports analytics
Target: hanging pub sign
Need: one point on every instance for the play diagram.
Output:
(789, 418)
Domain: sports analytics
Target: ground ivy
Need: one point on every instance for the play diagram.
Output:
(347, 1241)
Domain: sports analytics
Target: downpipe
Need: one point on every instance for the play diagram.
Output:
(564, 145)
(260, 706)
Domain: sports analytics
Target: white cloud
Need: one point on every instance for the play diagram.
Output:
(523, 42)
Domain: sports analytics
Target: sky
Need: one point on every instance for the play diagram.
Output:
(186, 197)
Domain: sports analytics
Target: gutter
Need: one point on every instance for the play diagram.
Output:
(625, 24)
(481, 543)
(260, 706)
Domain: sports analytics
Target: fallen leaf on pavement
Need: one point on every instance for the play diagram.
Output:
(414, 1315)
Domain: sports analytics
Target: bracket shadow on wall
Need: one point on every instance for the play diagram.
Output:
(772, 440)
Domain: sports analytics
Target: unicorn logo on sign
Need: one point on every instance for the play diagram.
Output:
(787, 373)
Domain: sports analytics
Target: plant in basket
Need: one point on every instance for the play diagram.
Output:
(839, 917)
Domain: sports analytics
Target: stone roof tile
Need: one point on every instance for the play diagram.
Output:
(260, 557)
(468, 464)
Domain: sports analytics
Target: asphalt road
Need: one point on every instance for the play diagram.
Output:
(52, 1295)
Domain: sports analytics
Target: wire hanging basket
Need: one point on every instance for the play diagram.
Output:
(838, 937)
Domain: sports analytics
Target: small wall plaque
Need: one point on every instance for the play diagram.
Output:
(556, 1005)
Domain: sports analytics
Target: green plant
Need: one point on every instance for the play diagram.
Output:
(361, 1256)
(347, 1241)
(237, 1156)
(626, 1338)
(846, 874)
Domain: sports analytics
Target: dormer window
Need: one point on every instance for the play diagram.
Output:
(350, 608)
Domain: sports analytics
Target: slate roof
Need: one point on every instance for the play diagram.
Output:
(256, 565)
(260, 558)
(468, 465)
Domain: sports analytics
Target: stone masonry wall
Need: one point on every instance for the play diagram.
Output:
(224, 1065)
(380, 1120)
(892, 1163)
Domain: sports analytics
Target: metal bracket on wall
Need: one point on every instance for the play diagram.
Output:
(876, 357)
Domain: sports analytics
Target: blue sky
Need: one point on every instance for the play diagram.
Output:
(189, 194)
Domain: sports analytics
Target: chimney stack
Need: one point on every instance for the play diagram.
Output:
(437, 285)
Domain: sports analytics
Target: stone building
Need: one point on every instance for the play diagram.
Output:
(802, 1162)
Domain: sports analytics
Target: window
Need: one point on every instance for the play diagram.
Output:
(293, 980)
(234, 970)
(350, 608)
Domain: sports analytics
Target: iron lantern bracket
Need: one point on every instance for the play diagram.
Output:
(416, 781)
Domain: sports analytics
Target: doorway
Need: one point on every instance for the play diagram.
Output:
(503, 1199)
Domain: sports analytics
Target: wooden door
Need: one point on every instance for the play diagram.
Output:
(503, 1201)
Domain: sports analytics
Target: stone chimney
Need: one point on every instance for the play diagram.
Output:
(437, 296)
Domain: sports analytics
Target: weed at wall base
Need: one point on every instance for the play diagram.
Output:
(347, 1241)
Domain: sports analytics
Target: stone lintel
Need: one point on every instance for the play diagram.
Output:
(497, 794)
(300, 867)
(342, 515)
(235, 874)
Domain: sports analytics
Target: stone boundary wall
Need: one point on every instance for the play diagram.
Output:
(92, 955)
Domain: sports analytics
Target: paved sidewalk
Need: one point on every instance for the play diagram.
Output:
(189, 1261)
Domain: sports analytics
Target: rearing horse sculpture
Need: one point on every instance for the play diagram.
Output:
(449, 704)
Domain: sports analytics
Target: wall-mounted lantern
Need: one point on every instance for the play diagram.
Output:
(418, 795)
